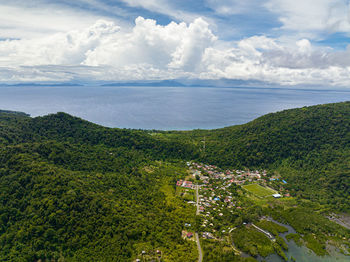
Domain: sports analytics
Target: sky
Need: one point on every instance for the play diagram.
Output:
(285, 42)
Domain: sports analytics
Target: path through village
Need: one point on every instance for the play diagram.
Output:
(200, 255)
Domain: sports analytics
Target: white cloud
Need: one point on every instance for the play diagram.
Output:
(165, 7)
(59, 49)
(106, 52)
(265, 59)
(31, 21)
(312, 17)
(174, 46)
(230, 7)
(188, 54)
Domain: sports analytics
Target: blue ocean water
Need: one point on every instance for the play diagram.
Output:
(163, 108)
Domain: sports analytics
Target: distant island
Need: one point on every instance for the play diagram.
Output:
(180, 82)
(154, 83)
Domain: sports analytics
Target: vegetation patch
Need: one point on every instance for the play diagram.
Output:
(214, 251)
(252, 241)
(296, 238)
(271, 227)
(315, 244)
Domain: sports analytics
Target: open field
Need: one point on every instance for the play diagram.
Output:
(186, 193)
(259, 191)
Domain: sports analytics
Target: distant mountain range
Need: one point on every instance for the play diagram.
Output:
(192, 83)
(154, 83)
(171, 83)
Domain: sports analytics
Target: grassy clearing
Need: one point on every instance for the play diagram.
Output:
(186, 193)
(259, 191)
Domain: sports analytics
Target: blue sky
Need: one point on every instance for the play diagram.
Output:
(280, 41)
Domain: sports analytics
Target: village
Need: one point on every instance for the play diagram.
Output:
(219, 201)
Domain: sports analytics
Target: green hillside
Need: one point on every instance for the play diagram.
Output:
(309, 147)
(71, 190)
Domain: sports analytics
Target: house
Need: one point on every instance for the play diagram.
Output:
(207, 235)
(186, 184)
(189, 235)
(277, 195)
(179, 183)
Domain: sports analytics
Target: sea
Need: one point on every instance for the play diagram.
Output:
(162, 107)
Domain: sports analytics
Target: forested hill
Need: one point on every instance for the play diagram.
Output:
(71, 190)
(309, 146)
(270, 139)
(62, 127)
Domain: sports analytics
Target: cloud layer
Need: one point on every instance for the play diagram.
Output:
(98, 48)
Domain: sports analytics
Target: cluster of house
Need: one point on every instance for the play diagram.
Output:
(185, 184)
(216, 198)
(239, 177)
(214, 202)
(234, 176)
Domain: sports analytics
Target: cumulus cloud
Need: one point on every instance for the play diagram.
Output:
(174, 45)
(107, 52)
(59, 49)
(266, 59)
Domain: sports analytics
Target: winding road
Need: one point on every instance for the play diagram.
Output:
(200, 254)
(197, 197)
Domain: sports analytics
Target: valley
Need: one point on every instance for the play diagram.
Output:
(271, 189)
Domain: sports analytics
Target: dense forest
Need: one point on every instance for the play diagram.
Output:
(71, 190)
(309, 147)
